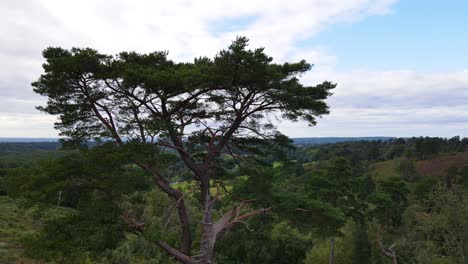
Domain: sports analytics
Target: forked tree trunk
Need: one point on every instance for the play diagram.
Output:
(211, 229)
(331, 259)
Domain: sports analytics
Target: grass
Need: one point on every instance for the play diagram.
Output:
(18, 222)
(15, 223)
(385, 169)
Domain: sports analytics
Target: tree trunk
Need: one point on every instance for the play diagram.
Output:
(186, 235)
(208, 236)
(209, 229)
(177, 196)
(331, 260)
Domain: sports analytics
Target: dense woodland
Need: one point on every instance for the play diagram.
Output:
(84, 205)
(186, 166)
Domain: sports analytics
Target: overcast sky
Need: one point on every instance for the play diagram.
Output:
(401, 66)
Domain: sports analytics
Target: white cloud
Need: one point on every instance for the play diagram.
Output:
(27, 125)
(181, 26)
(392, 103)
(365, 102)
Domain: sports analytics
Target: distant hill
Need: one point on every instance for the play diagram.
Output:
(331, 140)
(15, 147)
(297, 141)
(26, 140)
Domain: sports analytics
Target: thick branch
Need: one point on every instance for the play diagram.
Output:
(175, 253)
(177, 141)
(176, 195)
(108, 124)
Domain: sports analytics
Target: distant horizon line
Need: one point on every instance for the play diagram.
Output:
(54, 139)
(288, 136)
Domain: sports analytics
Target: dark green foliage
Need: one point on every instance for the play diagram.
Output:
(455, 144)
(307, 141)
(451, 176)
(407, 170)
(100, 184)
(389, 202)
(361, 245)
(355, 151)
(62, 181)
(81, 82)
(437, 227)
(256, 185)
(94, 227)
(378, 150)
(464, 177)
(396, 150)
(424, 187)
(271, 241)
(15, 147)
(426, 147)
(3, 189)
(135, 249)
(91, 182)
(336, 187)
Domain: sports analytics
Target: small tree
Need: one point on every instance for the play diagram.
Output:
(338, 188)
(389, 203)
(407, 169)
(202, 110)
(361, 248)
(464, 177)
